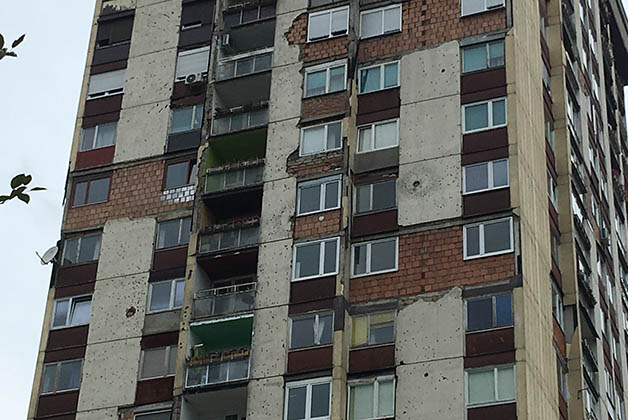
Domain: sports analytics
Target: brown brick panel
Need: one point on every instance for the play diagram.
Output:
(484, 156)
(66, 354)
(317, 305)
(67, 337)
(135, 191)
(482, 80)
(485, 140)
(378, 106)
(81, 289)
(320, 163)
(501, 412)
(483, 95)
(57, 404)
(106, 105)
(319, 358)
(324, 105)
(317, 224)
(430, 261)
(96, 157)
(489, 360)
(159, 340)
(318, 50)
(154, 390)
(372, 358)
(165, 259)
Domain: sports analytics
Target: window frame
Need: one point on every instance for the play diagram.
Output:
(490, 175)
(173, 291)
(368, 329)
(106, 93)
(375, 381)
(497, 401)
(325, 150)
(484, 10)
(482, 244)
(369, 257)
(490, 125)
(322, 195)
(381, 77)
(89, 182)
(139, 416)
(552, 189)
(96, 129)
(57, 375)
(316, 316)
(195, 108)
(487, 45)
(321, 263)
(357, 212)
(372, 127)
(331, 12)
(308, 383)
(71, 307)
(327, 67)
(382, 10)
(191, 51)
(493, 327)
(78, 248)
(179, 244)
(169, 349)
(191, 169)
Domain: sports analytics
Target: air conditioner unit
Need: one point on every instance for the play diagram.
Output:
(193, 78)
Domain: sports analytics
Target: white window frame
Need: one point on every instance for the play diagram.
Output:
(552, 189)
(490, 125)
(372, 126)
(180, 78)
(381, 10)
(496, 390)
(166, 360)
(240, 57)
(68, 316)
(195, 109)
(325, 150)
(375, 381)
(57, 374)
(557, 299)
(484, 10)
(330, 12)
(491, 180)
(483, 254)
(321, 262)
(323, 183)
(316, 316)
(368, 329)
(381, 77)
(96, 129)
(327, 68)
(308, 383)
(369, 256)
(371, 184)
(494, 325)
(173, 290)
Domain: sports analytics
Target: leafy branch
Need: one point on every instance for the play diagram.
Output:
(5, 52)
(19, 189)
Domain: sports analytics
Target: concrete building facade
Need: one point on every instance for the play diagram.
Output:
(344, 210)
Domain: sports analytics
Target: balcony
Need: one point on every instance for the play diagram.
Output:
(220, 370)
(245, 64)
(587, 325)
(232, 177)
(584, 286)
(239, 121)
(224, 300)
(228, 240)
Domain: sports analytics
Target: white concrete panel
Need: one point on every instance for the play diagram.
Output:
(275, 222)
(268, 349)
(156, 26)
(110, 302)
(283, 140)
(429, 190)
(142, 131)
(109, 374)
(286, 92)
(265, 399)
(284, 6)
(127, 247)
(149, 79)
(104, 414)
(430, 73)
(274, 273)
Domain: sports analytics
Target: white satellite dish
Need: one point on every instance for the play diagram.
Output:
(48, 255)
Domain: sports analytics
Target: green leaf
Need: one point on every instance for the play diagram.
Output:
(4, 198)
(38, 189)
(24, 197)
(11, 54)
(3, 52)
(18, 41)
(1, 46)
(18, 180)
(17, 191)
(27, 179)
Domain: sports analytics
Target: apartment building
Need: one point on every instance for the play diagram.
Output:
(355, 209)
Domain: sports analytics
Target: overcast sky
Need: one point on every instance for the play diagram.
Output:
(39, 94)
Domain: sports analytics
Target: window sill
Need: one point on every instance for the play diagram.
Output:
(490, 404)
(318, 276)
(315, 347)
(78, 264)
(492, 254)
(392, 270)
(156, 377)
(161, 311)
(485, 190)
(318, 212)
(505, 327)
(372, 212)
(65, 391)
(367, 38)
(372, 346)
(479, 71)
(480, 130)
(88, 204)
(378, 90)
(483, 11)
(104, 95)
(97, 148)
(169, 248)
(67, 327)
(320, 95)
(312, 41)
(173, 133)
(377, 150)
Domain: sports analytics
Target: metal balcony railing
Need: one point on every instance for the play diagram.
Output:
(216, 373)
(223, 180)
(244, 65)
(228, 239)
(239, 121)
(224, 300)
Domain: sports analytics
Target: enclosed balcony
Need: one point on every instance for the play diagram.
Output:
(220, 301)
(248, 27)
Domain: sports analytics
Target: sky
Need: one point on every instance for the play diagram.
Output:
(39, 93)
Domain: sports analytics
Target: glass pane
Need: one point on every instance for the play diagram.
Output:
(239, 121)
(369, 79)
(391, 75)
(334, 132)
(481, 387)
(361, 402)
(172, 360)
(499, 112)
(178, 293)
(315, 83)
(267, 11)
(186, 227)
(263, 62)
(309, 199)
(249, 236)
(168, 234)
(320, 400)
(98, 190)
(61, 313)
(234, 178)
(479, 314)
(231, 19)
(497, 236)
(476, 177)
(476, 117)
(371, 24)
(181, 119)
(337, 79)
(257, 118)
(331, 194)
(244, 66)
(384, 195)
(160, 296)
(363, 198)
(496, 53)
(503, 310)
(500, 173)
(87, 141)
(197, 375)
(70, 251)
(106, 135)
(506, 383)
(392, 19)
(319, 26)
(238, 369)
(364, 140)
(383, 255)
(80, 194)
(218, 372)
(386, 135)
(249, 15)
(81, 311)
(330, 257)
(225, 69)
(325, 328)
(296, 403)
(386, 399)
(474, 58)
(382, 328)
(359, 259)
(359, 329)
(302, 332)
(339, 22)
(48, 383)
(90, 248)
(313, 140)
(177, 175)
(229, 239)
(70, 375)
(307, 260)
(472, 241)
(198, 116)
(472, 6)
(153, 363)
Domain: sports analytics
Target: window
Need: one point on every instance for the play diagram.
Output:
(91, 192)
(321, 138)
(552, 189)
(114, 32)
(192, 62)
(158, 362)
(561, 371)
(241, 237)
(105, 84)
(485, 176)
(380, 21)
(374, 257)
(165, 295)
(72, 311)
(483, 56)
(186, 119)
(557, 304)
(373, 329)
(214, 373)
(308, 400)
(382, 76)
(328, 24)
(484, 115)
(470, 7)
(378, 136)
(180, 173)
(61, 376)
(155, 415)
(489, 312)
(488, 238)
(102, 135)
(311, 330)
(316, 259)
(318, 195)
(81, 249)
(375, 196)
(173, 232)
(372, 398)
(245, 64)
(248, 15)
(326, 78)
(486, 386)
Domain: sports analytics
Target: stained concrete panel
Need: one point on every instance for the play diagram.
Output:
(156, 26)
(109, 374)
(283, 139)
(274, 273)
(265, 399)
(268, 349)
(291, 6)
(104, 414)
(429, 190)
(285, 96)
(277, 213)
(161, 322)
(285, 53)
(127, 247)
(143, 3)
(142, 131)
(149, 79)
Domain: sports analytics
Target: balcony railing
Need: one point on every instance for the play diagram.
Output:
(240, 121)
(222, 180)
(217, 373)
(229, 239)
(244, 65)
(224, 300)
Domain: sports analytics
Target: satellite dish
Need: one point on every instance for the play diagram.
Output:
(48, 255)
